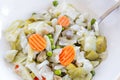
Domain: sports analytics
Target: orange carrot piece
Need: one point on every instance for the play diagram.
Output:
(64, 21)
(67, 55)
(37, 42)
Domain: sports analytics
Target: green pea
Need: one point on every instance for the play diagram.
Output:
(53, 46)
(57, 72)
(55, 3)
(49, 53)
(52, 41)
(49, 35)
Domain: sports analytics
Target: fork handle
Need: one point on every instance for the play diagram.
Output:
(101, 18)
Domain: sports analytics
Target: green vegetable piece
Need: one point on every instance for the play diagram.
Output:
(53, 47)
(52, 41)
(49, 53)
(57, 47)
(63, 29)
(76, 73)
(70, 66)
(93, 21)
(55, 3)
(34, 13)
(101, 44)
(57, 72)
(49, 35)
(95, 63)
(93, 73)
(92, 55)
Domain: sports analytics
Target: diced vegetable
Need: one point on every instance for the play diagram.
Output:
(58, 30)
(75, 72)
(10, 55)
(67, 55)
(101, 44)
(41, 57)
(49, 35)
(64, 21)
(95, 63)
(90, 42)
(49, 53)
(36, 78)
(37, 42)
(51, 40)
(32, 67)
(32, 75)
(57, 72)
(48, 43)
(20, 57)
(23, 72)
(55, 3)
(53, 47)
(40, 27)
(93, 73)
(92, 55)
(55, 56)
(57, 77)
(93, 21)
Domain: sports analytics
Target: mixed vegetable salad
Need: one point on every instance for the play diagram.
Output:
(58, 44)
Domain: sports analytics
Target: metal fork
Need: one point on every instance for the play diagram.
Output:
(114, 7)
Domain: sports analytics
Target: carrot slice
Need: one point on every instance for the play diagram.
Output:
(64, 21)
(67, 55)
(37, 42)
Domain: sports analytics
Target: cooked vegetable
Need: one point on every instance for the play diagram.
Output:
(58, 30)
(69, 34)
(67, 55)
(48, 43)
(57, 77)
(49, 35)
(10, 56)
(40, 27)
(64, 21)
(49, 53)
(93, 73)
(23, 72)
(55, 3)
(20, 57)
(101, 44)
(41, 56)
(76, 73)
(37, 42)
(95, 63)
(57, 72)
(90, 42)
(53, 47)
(55, 56)
(93, 21)
(92, 55)
(36, 78)
(32, 75)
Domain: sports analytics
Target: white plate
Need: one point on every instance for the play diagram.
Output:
(11, 10)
